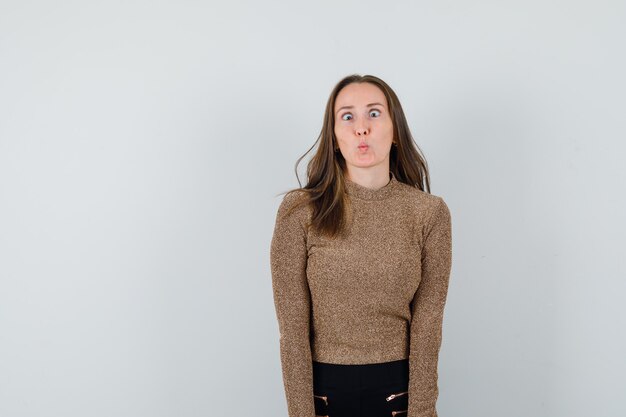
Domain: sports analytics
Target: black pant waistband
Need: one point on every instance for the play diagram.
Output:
(361, 375)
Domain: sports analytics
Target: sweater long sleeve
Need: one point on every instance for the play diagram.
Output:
(427, 315)
(288, 259)
(374, 294)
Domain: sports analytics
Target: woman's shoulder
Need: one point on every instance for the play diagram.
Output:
(294, 202)
(419, 204)
(419, 197)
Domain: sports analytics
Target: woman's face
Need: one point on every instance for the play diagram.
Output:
(363, 125)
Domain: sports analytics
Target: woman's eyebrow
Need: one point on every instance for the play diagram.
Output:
(349, 107)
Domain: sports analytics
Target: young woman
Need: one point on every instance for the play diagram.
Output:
(360, 261)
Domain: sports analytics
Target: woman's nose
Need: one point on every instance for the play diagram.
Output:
(361, 130)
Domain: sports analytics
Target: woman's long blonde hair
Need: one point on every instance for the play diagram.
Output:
(325, 190)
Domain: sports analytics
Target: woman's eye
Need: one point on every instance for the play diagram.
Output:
(348, 116)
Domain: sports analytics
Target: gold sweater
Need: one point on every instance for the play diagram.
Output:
(374, 295)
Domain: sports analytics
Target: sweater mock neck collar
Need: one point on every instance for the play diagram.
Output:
(364, 193)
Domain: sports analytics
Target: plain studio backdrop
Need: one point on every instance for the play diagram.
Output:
(143, 147)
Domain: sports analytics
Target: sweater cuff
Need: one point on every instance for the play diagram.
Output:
(422, 408)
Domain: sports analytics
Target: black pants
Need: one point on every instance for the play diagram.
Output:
(370, 390)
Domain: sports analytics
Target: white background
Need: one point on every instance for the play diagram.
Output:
(144, 144)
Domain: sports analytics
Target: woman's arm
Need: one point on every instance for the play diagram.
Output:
(292, 299)
(427, 313)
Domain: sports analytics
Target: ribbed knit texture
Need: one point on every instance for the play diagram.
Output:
(374, 295)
